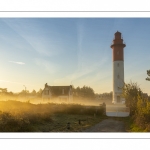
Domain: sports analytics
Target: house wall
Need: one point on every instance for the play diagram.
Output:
(45, 95)
(70, 95)
(68, 98)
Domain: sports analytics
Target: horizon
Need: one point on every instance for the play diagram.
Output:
(71, 51)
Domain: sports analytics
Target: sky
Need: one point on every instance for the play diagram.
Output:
(71, 51)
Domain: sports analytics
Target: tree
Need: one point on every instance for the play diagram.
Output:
(148, 73)
(84, 92)
(33, 93)
(131, 91)
(142, 118)
(39, 93)
(24, 93)
(3, 90)
(106, 95)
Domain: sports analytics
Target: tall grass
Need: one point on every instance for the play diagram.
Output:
(18, 116)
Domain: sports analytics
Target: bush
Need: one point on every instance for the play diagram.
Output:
(79, 109)
(25, 117)
(142, 116)
(21, 122)
(139, 107)
(130, 93)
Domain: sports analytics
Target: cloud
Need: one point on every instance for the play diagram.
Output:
(83, 75)
(17, 62)
(35, 37)
(80, 36)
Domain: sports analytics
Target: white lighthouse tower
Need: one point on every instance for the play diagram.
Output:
(118, 68)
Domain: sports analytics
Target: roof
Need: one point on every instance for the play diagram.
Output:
(59, 90)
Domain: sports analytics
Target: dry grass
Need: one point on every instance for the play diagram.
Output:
(18, 116)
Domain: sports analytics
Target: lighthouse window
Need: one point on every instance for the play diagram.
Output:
(118, 64)
(118, 76)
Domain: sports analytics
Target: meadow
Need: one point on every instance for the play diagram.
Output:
(16, 116)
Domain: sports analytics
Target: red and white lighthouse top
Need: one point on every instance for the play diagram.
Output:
(117, 47)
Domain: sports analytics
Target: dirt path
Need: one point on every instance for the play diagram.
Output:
(107, 125)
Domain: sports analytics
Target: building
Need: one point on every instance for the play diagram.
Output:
(119, 108)
(118, 68)
(60, 93)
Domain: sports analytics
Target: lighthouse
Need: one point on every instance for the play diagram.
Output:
(118, 68)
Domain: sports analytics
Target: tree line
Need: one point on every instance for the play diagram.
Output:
(88, 93)
(4, 92)
(81, 92)
(84, 92)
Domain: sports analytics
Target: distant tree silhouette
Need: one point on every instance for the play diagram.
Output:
(148, 73)
(33, 93)
(84, 92)
(24, 93)
(105, 95)
(39, 93)
(3, 90)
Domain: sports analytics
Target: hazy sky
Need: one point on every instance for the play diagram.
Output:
(64, 51)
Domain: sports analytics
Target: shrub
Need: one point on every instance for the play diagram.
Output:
(21, 122)
(25, 117)
(142, 116)
(130, 93)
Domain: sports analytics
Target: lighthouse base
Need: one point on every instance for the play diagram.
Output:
(118, 110)
(121, 101)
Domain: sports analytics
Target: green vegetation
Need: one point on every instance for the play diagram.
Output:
(18, 116)
(148, 73)
(78, 123)
(139, 105)
(86, 95)
(85, 91)
(23, 116)
(81, 95)
(130, 93)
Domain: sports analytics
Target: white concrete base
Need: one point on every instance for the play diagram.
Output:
(117, 111)
(117, 114)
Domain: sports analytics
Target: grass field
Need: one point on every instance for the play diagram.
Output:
(18, 116)
(60, 123)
